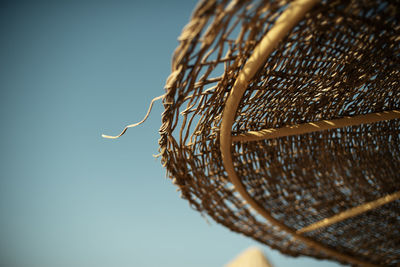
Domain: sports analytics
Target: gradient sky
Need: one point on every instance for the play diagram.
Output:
(70, 71)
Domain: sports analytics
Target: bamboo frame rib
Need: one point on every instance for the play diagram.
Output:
(289, 18)
(316, 126)
(350, 213)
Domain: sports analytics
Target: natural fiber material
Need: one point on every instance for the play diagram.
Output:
(341, 60)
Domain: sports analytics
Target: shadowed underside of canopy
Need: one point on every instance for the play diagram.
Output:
(282, 123)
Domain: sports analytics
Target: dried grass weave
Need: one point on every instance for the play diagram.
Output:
(342, 59)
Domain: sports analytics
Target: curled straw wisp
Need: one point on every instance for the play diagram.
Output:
(135, 124)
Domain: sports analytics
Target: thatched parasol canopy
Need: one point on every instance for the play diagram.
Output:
(282, 123)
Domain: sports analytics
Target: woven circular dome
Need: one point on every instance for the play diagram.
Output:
(281, 122)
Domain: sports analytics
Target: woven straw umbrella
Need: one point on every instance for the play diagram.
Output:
(281, 122)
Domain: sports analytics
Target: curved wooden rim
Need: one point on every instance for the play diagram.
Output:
(289, 18)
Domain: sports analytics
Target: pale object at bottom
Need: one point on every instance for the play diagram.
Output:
(251, 257)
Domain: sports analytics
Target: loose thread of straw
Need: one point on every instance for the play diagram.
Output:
(157, 156)
(136, 124)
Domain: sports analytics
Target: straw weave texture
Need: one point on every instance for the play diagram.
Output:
(342, 59)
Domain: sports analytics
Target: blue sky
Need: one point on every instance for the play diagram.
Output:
(70, 71)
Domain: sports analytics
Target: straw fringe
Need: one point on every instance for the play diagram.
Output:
(135, 124)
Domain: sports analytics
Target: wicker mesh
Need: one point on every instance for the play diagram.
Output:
(342, 59)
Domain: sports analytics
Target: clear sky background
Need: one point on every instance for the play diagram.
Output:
(70, 71)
